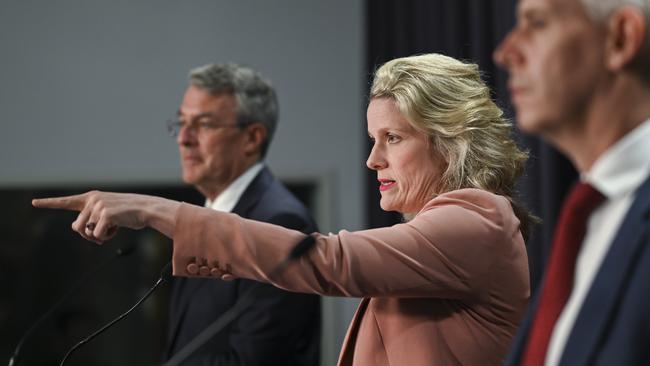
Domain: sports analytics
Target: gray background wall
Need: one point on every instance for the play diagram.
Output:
(85, 88)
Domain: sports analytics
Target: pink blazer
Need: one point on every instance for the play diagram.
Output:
(446, 288)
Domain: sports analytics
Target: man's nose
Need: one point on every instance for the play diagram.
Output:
(506, 54)
(186, 136)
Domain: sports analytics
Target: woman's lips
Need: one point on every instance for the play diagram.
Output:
(385, 184)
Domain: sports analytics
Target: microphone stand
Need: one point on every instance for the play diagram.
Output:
(242, 304)
(121, 252)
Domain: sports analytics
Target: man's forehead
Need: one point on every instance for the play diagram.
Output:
(548, 6)
(212, 109)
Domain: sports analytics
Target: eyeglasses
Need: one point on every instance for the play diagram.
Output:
(174, 126)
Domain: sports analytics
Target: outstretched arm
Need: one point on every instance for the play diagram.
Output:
(101, 213)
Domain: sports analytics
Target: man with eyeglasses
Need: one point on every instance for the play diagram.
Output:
(223, 129)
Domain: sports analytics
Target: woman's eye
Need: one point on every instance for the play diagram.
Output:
(391, 139)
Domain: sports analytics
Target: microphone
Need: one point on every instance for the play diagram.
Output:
(119, 253)
(242, 303)
(165, 276)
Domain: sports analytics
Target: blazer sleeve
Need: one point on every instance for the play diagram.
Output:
(446, 251)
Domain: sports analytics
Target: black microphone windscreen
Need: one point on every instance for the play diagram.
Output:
(125, 250)
(302, 248)
(166, 272)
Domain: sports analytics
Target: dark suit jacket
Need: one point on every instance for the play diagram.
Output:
(613, 325)
(281, 328)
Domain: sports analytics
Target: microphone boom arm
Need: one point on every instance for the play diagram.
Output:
(165, 274)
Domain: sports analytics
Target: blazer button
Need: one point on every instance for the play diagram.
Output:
(204, 270)
(192, 268)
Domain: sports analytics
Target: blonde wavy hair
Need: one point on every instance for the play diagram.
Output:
(447, 100)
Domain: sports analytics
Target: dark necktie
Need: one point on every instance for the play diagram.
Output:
(558, 282)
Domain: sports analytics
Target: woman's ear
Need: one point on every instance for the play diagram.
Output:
(626, 33)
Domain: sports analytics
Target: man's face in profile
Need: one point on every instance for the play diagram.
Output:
(554, 56)
(211, 145)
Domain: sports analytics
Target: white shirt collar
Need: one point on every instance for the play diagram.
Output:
(227, 200)
(624, 166)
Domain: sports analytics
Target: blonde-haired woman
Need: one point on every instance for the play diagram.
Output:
(448, 286)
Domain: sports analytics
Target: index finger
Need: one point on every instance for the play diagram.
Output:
(73, 203)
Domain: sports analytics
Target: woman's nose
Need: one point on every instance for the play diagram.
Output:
(375, 160)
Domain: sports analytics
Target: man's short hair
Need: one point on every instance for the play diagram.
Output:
(599, 11)
(256, 99)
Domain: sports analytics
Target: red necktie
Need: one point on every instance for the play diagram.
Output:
(568, 236)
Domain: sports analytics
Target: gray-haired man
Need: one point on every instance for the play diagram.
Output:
(223, 129)
(580, 78)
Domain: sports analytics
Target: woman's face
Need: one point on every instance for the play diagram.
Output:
(408, 169)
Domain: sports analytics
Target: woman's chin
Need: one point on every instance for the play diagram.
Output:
(387, 206)
(392, 208)
(407, 215)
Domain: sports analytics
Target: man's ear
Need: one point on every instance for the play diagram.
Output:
(255, 134)
(626, 33)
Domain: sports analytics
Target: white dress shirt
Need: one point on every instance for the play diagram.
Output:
(227, 200)
(617, 174)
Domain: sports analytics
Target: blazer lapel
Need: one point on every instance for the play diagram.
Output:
(345, 358)
(603, 298)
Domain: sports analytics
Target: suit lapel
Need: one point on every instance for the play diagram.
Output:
(186, 287)
(600, 305)
(253, 193)
(517, 348)
(179, 288)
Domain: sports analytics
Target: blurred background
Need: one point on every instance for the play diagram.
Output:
(86, 87)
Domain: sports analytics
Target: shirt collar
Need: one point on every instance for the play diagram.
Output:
(227, 200)
(624, 166)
